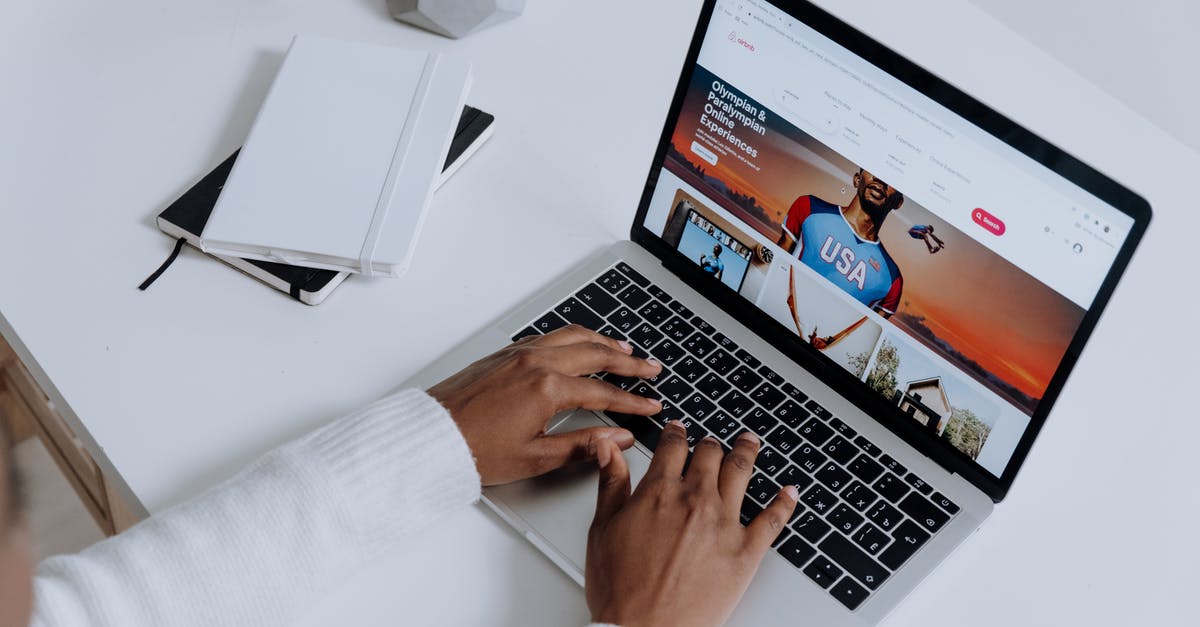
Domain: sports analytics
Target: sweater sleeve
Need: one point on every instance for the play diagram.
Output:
(249, 551)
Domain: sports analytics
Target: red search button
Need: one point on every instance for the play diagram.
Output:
(991, 223)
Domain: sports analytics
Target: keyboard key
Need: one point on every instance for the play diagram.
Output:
(840, 449)
(784, 439)
(632, 274)
(893, 465)
(744, 379)
(612, 332)
(713, 387)
(849, 593)
(698, 406)
(867, 447)
(819, 500)
(723, 426)
(643, 388)
(526, 332)
(944, 503)
(750, 509)
(859, 496)
(724, 342)
(815, 431)
(675, 389)
(721, 362)
(833, 477)
(634, 297)
(843, 518)
(808, 458)
(759, 421)
(792, 414)
(842, 428)
(870, 539)
(929, 517)
(797, 551)
(748, 359)
(699, 345)
(890, 487)
(865, 468)
(599, 300)
(781, 538)
(549, 322)
(680, 309)
(762, 489)
(769, 397)
(621, 381)
(645, 335)
(664, 373)
(691, 369)
(822, 571)
(695, 431)
(918, 484)
(770, 375)
(908, 537)
(817, 409)
(667, 352)
(654, 312)
(792, 475)
(703, 326)
(736, 404)
(885, 516)
(659, 293)
(677, 329)
(858, 564)
(575, 312)
(770, 461)
(613, 281)
(794, 392)
(624, 320)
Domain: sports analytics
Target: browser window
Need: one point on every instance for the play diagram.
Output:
(944, 269)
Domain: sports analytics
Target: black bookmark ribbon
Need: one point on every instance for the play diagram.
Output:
(166, 264)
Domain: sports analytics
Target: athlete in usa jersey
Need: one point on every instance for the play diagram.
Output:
(842, 243)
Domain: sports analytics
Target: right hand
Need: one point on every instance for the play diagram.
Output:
(674, 552)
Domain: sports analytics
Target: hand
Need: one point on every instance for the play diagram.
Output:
(502, 402)
(675, 553)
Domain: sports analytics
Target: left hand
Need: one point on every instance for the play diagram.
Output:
(502, 402)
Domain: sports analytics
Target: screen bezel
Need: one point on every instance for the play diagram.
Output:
(974, 112)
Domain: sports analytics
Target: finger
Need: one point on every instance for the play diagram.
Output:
(551, 452)
(575, 334)
(671, 452)
(578, 392)
(767, 526)
(614, 482)
(705, 466)
(736, 469)
(588, 357)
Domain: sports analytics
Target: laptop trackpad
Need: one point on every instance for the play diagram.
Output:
(559, 506)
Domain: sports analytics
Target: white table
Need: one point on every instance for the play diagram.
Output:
(111, 109)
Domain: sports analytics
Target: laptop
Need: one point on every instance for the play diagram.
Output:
(883, 278)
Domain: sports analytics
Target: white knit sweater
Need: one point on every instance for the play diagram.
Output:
(250, 551)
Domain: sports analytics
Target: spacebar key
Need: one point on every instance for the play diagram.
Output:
(857, 563)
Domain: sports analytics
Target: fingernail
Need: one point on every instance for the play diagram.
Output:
(655, 401)
(792, 492)
(678, 423)
(603, 456)
(749, 437)
(652, 361)
(626, 346)
(623, 439)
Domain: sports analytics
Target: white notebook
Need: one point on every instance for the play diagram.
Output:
(339, 167)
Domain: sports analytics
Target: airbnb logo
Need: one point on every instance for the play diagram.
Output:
(733, 36)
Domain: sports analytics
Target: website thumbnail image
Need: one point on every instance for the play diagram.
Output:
(852, 265)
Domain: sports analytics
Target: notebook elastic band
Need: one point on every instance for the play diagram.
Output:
(166, 264)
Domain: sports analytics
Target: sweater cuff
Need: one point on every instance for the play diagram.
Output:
(401, 462)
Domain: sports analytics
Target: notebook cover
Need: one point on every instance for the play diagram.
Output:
(192, 210)
(341, 162)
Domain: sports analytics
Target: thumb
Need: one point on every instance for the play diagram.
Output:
(560, 449)
(614, 481)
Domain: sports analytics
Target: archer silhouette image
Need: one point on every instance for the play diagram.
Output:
(924, 232)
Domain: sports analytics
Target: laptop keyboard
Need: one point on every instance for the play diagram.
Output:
(861, 514)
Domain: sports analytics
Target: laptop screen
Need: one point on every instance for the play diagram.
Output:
(944, 269)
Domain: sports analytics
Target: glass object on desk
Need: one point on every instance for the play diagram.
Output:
(455, 18)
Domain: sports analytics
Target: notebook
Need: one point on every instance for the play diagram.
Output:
(185, 218)
(339, 166)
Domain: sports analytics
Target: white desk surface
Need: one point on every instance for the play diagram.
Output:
(111, 109)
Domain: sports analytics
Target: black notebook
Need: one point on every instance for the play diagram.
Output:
(186, 217)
